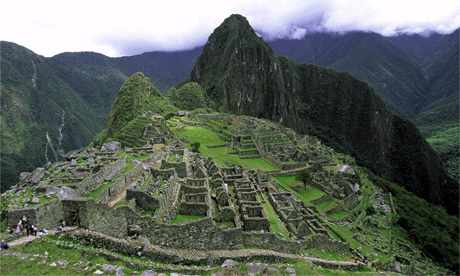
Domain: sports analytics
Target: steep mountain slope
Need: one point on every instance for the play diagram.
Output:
(162, 68)
(69, 96)
(241, 74)
(237, 69)
(416, 76)
(395, 76)
(42, 115)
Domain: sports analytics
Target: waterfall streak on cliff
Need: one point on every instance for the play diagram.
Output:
(48, 142)
(34, 76)
(61, 150)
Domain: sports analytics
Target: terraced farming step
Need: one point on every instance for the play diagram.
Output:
(247, 145)
(255, 156)
(251, 151)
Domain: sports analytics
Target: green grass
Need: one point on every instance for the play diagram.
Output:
(180, 218)
(276, 225)
(11, 265)
(289, 184)
(172, 158)
(148, 213)
(207, 137)
(338, 215)
(96, 193)
(324, 205)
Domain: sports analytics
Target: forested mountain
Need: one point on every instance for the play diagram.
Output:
(70, 94)
(416, 76)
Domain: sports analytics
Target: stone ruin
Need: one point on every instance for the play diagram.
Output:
(174, 181)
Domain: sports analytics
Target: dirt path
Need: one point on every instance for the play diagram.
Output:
(122, 195)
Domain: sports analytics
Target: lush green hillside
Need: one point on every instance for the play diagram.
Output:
(36, 104)
(413, 74)
(69, 98)
(394, 75)
(440, 126)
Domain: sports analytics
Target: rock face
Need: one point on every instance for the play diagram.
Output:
(241, 74)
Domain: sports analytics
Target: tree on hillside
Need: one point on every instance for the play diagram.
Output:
(196, 147)
(189, 97)
(304, 176)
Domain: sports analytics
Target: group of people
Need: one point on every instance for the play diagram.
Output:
(163, 245)
(20, 226)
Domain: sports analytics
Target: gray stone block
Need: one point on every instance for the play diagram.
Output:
(256, 268)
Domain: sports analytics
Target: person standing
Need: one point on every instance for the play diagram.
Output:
(4, 245)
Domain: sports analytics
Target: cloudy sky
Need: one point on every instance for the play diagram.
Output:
(119, 28)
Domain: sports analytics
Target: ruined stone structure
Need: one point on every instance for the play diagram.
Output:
(98, 194)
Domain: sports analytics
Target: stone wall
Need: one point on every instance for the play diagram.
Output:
(182, 169)
(323, 242)
(121, 183)
(110, 170)
(49, 214)
(321, 199)
(77, 207)
(227, 213)
(112, 222)
(194, 208)
(199, 234)
(270, 157)
(272, 242)
(144, 200)
(14, 216)
(293, 166)
(345, 203)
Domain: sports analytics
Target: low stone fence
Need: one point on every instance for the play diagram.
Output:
(216, 146)
(272, 242)
(347, 266)
(187, 123)
(325, 243)
(121, 183)
(293, 166)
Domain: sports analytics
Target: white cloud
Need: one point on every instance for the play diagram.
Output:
(116, 28)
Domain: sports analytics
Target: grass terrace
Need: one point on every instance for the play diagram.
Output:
(181, 218)
(205, 136)
(305, 194)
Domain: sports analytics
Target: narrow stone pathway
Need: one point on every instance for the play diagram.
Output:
(31, 238)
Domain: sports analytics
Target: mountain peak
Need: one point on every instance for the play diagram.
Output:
(236, 21)
(241, 73)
